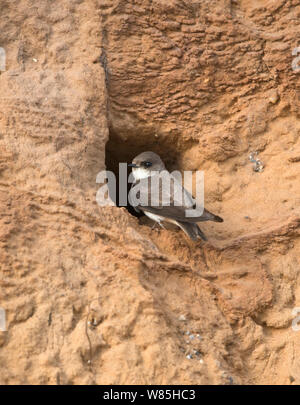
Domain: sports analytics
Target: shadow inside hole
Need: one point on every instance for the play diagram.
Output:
(120, 151)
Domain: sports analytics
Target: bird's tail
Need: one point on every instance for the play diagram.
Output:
(206, 216)
(201, 234)
(192, 230)
(209, 216)
(216, 218)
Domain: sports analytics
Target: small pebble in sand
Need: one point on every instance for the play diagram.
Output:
(258, 165)
(230, 380)
(274, 97)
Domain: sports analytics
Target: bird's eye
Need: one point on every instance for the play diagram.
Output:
(147, 164)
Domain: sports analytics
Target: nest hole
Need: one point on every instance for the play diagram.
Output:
(122, 148)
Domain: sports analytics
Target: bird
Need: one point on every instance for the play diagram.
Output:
(164, 204)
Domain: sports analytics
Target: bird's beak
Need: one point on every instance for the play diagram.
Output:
(132, 165)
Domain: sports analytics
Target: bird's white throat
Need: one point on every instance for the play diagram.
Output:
(141, 173)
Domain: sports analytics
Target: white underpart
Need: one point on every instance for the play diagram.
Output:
(154, 217)
(159, 219)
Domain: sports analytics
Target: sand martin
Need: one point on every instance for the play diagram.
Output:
(166, 204)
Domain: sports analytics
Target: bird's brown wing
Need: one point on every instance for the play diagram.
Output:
(179, 214)
(166, 203)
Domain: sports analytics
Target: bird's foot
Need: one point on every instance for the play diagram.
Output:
(154, 226)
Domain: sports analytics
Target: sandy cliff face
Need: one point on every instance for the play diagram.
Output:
(93, 295)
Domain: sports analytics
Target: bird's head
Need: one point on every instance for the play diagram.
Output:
(146, 164)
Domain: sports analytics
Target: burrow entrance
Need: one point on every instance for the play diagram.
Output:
(123, 148)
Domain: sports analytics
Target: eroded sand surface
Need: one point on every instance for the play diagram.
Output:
(93, 295)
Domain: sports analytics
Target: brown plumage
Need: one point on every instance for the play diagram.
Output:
(166, 204)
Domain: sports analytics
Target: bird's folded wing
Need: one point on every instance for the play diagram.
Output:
(179, 214)
(171, 202)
